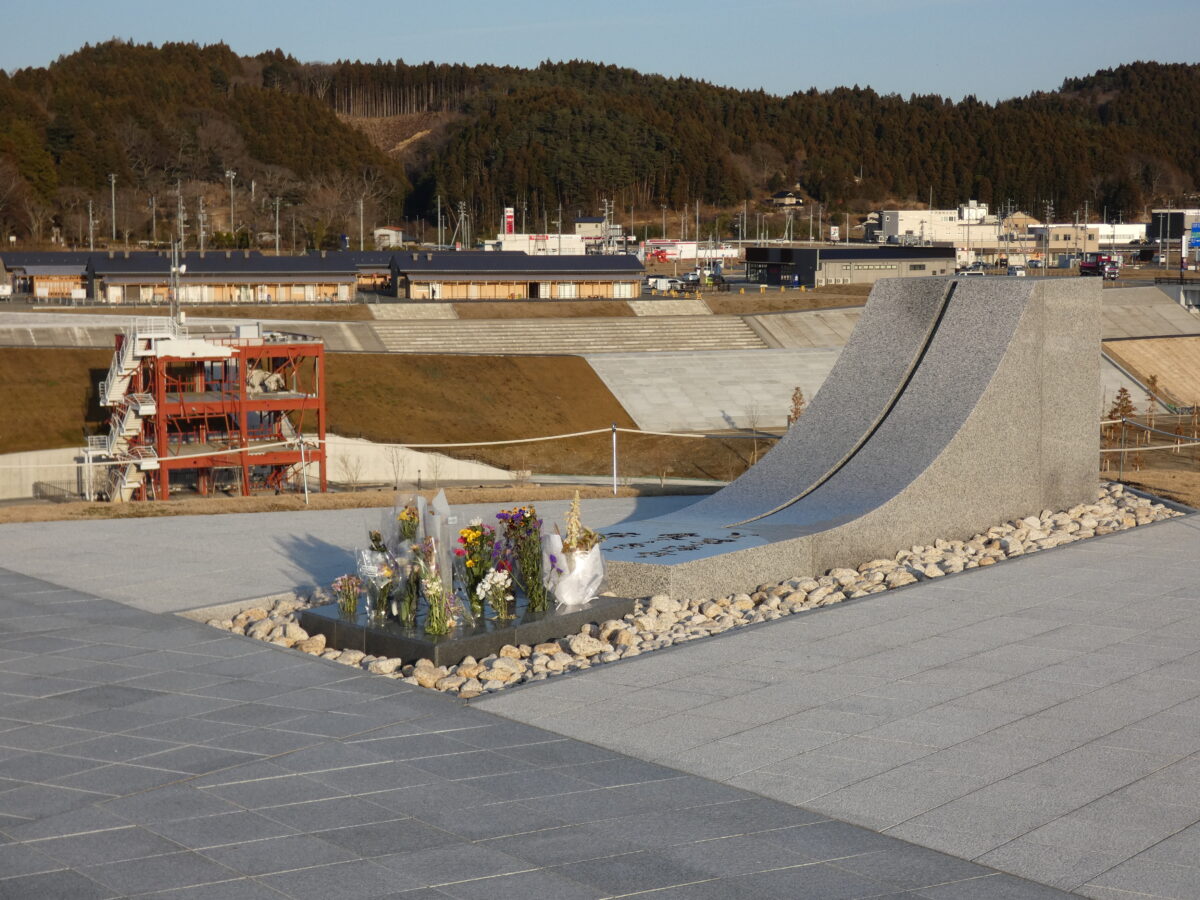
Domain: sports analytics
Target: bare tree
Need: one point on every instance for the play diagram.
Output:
(435, 461)
(12, 187)
(396, 461)
(350, 465)
(753, 419)
(37, 212)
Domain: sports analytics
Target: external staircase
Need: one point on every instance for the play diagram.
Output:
(127, 462)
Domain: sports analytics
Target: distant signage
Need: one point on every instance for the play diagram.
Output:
(510, 220)
(835, 233)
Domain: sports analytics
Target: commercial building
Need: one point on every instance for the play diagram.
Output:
(53, 275)
(849, 264)
(233, 276)
(932, 226)
(373, 268)
(1170, 224)
(538, 244)
(514, 276)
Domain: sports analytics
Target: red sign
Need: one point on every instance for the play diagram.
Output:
(510, 220)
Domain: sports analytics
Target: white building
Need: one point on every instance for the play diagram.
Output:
(1120, 233)
(388, 236)
(673, 250)
(924, 226)
(539, 244)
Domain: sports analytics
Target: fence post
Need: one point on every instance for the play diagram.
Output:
(614, 456)
(1121, 471)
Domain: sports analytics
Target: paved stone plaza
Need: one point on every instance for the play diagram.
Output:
(1034, 719)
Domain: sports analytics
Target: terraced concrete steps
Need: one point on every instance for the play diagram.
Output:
(574, 336)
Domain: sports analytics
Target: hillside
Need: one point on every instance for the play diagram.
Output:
(396, 136)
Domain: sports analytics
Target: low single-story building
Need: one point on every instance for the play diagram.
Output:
(374, 268)
(50, 275)
(495, 275)
(853, 264)
(224, 277)
(387, 236)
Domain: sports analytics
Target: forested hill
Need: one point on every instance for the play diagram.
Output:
(569, 133)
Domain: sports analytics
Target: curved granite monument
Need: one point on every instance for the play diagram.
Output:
(957, 403)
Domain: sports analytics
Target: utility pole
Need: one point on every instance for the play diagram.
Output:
(558, 226)
(112, 181)
(180, 214)
(1046, 260)
(360, 223)
(203, 218)
(664, 217)
(231, 175)
(276, 226)
(91, 228)
(153, 221)
(439, 221)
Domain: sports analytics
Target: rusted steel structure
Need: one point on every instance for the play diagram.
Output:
(238, 411)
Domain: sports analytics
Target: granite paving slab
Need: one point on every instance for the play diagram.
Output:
(115, 790)
(1039, 716)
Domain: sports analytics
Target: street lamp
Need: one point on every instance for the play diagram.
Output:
(231, 175)
(112, 180)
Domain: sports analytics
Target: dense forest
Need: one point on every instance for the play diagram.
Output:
(152, 132)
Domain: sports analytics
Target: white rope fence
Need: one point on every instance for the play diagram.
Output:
(1178, 445)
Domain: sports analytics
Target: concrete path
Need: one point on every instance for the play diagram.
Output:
(712, 391)
(182, 562)
(1041, 716)
(144, 755)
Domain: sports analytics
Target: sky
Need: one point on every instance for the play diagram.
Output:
(949, 47)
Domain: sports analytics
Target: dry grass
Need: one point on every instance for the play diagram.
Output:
(395, 398)
(1170, 484)
(787, 301)
(544, 309)
(406, 399)
(1175, 360)
(49, 396)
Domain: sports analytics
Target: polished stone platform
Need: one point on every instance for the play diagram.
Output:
(479, 638)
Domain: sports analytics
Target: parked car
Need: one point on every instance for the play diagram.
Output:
(1018, 271)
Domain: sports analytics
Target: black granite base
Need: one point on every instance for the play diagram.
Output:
(482, 638)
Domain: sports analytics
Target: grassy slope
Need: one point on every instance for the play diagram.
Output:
(49, 396)
(401, 398)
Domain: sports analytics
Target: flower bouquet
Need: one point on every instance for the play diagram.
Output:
(346, 588)
(474, 558)
(523, 544)
(495, 589)
(574, 564)
(377, 571)
(439, 598)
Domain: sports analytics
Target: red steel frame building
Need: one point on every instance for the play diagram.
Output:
(210, 402)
